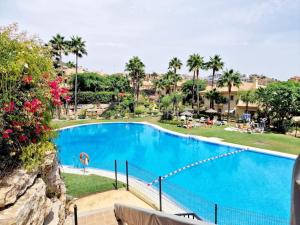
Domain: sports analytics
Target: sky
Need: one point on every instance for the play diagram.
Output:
(252, 36)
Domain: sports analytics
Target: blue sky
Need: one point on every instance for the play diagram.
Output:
(252, 36)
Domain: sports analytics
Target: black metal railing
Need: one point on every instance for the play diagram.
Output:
(189, 215)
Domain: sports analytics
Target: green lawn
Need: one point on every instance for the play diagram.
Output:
(83, 185)
(271, 141)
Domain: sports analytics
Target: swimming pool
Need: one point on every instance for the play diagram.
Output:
(248, 181)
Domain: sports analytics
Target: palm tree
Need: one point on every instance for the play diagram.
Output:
(176, 98)
(168, 81)
(247, 97)
(230, 78)
(159, 86)
(212, 95)
(215, 63)
(59, 46)
(136, 69)
(195, 63)
(175, 64)
(77, 47)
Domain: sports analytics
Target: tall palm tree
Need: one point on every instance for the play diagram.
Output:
(215, 63)
(175, 64)
(136, 69)
(77, 47)
(59, 46)
(195, 63)
(230, 78)
(159, 86)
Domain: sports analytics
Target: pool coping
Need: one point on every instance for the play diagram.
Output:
(196, 137)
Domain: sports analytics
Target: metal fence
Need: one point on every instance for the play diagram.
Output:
(164, 195)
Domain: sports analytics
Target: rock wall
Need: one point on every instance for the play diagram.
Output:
(34, 198)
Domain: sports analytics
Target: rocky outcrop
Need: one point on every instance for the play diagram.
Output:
(14, 186)
(30, 208)
(34, 198)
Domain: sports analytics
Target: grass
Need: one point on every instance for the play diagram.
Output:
(83, 185)
(270, 141)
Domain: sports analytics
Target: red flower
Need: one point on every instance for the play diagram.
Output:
(22, 138)
(32, 106)
(9, 107)
(27, 79)
(6, 133)
(67, 98)
(34, 140)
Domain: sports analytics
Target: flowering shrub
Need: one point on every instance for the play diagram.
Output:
(29, 92)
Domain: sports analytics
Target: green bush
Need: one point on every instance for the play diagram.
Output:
(139, 110)
(89, 97)
(33, 155)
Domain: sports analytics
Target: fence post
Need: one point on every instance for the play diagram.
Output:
(127, 183)
(216, 214)
(75, 215)
(160, 202)
(116, 175)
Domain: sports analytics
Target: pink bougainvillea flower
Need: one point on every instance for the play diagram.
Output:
(9, 107)
(67, 98)
(32, 106)
(22, 138)
(6, 133)
(5, 136)
(27, 79)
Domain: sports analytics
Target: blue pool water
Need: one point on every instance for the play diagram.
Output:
(249, 181)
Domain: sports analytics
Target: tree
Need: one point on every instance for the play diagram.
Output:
(176, 99)
(280, 102)
(188, 89)
(136, 69)
(230, 78)
(195, 63)
(159, 86)
(215, 63)
(59, 46)
(77, 47)
(212, 96)
(247, 97)
(165, 106)
(175, 64)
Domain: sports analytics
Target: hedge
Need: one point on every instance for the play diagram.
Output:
(89, 97)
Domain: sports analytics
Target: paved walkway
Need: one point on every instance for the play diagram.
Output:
(138, 187)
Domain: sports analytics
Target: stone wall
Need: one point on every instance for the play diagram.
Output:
(34, 198)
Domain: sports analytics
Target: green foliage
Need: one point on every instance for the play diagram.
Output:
(33, 155)
(89, 81)
(247, 97)
(187, 89)
(175, 64)
(139, 110)
(89, 97)
(280, 101)
(20, 55)
(25, 102)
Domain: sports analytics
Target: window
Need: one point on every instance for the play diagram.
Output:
(231, 98)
